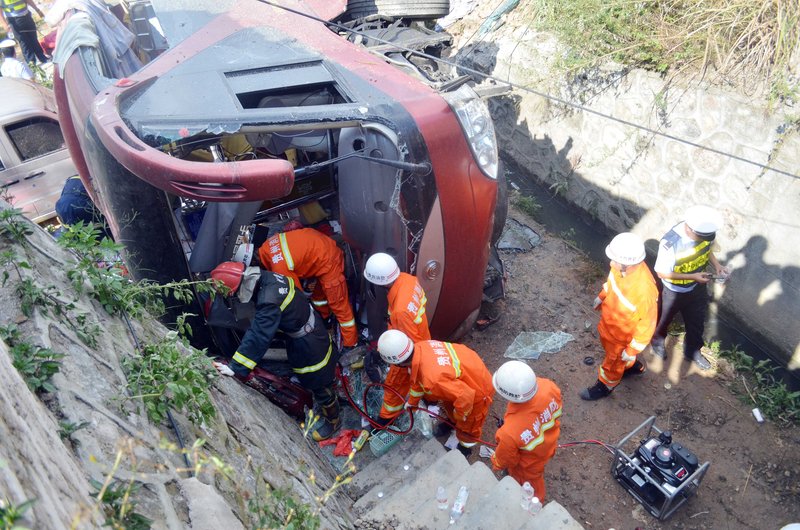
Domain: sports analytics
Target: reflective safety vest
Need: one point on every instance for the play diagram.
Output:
(690, 256)
(15, 8)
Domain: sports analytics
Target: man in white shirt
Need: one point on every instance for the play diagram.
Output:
(12, 67)
(683, 256)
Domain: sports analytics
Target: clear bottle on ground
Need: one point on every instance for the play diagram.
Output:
(527, 495)
(441, 498)
(536, 506)
(459, 504)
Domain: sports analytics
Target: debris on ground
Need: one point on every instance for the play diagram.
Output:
(531, 344)
(518, 237)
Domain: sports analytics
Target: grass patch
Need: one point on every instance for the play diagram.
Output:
(759, 384)
(526, 204)
(734, 37)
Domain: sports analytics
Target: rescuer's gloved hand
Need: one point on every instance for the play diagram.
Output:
(223, 369)
(500, 422)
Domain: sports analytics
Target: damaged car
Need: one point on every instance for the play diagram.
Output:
(256, 113)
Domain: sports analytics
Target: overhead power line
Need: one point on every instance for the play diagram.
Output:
(539, 93)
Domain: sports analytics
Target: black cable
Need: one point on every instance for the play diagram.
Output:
(538, 93)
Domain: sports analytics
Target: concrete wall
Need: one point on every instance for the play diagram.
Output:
(630, 179)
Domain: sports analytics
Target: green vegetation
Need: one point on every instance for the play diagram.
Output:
(761, 387)
(115, 496)
(13, 226)
(280, 508)
(526, 204)
(67, 428)
(36, 365)
(99, 272)
(170, 374)
(750, 37)
(12, 514)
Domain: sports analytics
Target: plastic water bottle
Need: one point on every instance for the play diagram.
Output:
(527, 495)
(459, 504)
(536, 506)
(441, 498)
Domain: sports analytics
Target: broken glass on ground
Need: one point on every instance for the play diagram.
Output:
(531, 344)
(518, 237)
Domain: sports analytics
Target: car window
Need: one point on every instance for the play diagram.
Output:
(35, 137)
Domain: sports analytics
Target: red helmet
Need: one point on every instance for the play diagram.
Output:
(229, 273)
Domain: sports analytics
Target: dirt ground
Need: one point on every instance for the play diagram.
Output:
(754, 477)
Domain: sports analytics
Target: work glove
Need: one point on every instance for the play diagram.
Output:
(597, 302)
(223, 369)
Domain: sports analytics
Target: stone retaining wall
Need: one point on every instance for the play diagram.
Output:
(631, 179)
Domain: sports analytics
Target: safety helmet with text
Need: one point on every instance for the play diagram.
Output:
(395, 347)
(381, 269)
(229, 273)
(626, 249)
(703, 221)
(515, 381)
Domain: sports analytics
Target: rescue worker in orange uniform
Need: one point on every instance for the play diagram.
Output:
(628, 307)
(406, 301)
(306, 253)
(528, 437)
(448, 373)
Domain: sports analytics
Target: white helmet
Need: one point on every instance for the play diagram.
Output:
(626, 249)
(515, 381)
(704, 221)
(395, 347)
(381, 269)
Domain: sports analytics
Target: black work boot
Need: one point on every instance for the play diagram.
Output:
(442, 429)
(658, 349)
(328, 423)
(699, 360)
(464, 450)
(636, 368)
(599, 390)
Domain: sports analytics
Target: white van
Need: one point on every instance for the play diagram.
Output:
(34, 161)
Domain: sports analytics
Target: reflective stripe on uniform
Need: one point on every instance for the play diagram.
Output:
(319, 303)
(289, 297)
(618, 292)
(606, 379)
(287, 256)
(421, 310)
(14, 6)
(533, 444)
(454, 359)
(349, 324)
(244, 361)
(392, 409)
(414, 393)
(636, 345)
(315, 367)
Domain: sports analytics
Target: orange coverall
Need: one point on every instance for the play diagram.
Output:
(529, 436)
(456, 376)
(406, 313)
(307, 253)
(629, 312)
